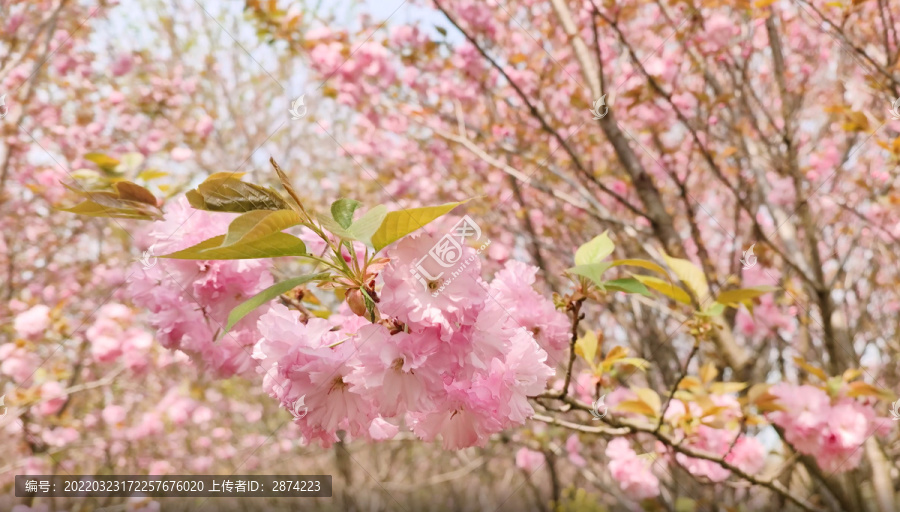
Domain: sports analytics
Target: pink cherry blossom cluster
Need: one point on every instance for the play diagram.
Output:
(832, 430)
(631, 472)
(189, 301)
(112, 336)
(459, 364)
(744, 452)
(18, 360)
(724, 440)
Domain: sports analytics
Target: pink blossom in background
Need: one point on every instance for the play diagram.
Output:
(831, 430)
(411, 113)
(122, 64)
(748, 454)
(573, 449)
(631, 473)
(33, 322)
(529, 460)
(61, 436)
(181, 154)
(114, 415)
(18, 362)
(53, 397)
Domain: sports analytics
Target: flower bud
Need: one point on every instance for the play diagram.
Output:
(357, 302)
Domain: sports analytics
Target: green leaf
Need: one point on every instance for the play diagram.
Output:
(271, 246)
(666, 288)
(593, 271)
(689, 274)
(594, 251)
(715, 309)
(334, 228)
(244, 309)
(342, 211)
(734, 297)
(649, 265)
(362, 229)
(259, 224)
(227, 194)
(628, 285)
(368, 224)
(397, 225)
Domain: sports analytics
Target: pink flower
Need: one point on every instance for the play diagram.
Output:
(189, 300)
(805, 414)
(524, 373)
(748, 454)
(313, 363)
(60, 436)
(420, 292)
(454, 371)
(516, 301)
(832, 433)
(632, 473)
(394, 370)
(847, 427)
(31, 323)
(710, 440)
(18, 362)
(53, 396)
(464, 423)
(114, 415)
(181, 154)
(122, 64)
(160, 467)
(382, 430)
(573, 448)
(529, 460)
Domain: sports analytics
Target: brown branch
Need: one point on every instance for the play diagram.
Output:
(684, 372)
(576, 318)
(634, 427)
(545, 125)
